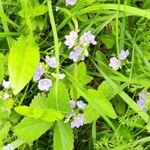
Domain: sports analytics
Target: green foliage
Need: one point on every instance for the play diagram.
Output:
(21, 66)
(1, 67)
(48, 115)
(30, 129)
(59, 101)
(63, 137)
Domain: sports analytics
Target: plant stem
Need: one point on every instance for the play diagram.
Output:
(56, 44)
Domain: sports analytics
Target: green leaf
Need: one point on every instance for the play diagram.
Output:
(104, 103)
(1, 67)
(23, 60)
(48, 115)
(61, 102)
(30, 129)
(40, 101)
(90, 114)
(63, 137)
(82, 75)
(108, 40)
(39, 10)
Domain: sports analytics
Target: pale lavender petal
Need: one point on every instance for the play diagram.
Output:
(8, 147)
(72, 103)
(70, 2)
(51, 61)
(78, 121)
(6, 84)
(87, 38)
(74, 56)
(44, 84)
(81, 104)
(115, 63)
(38, 73)
(70, 39)
(123, 54)
(141, 104)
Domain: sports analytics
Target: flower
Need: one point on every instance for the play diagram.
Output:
(81, 105)
(38, 73)
(87, 38)
(123, 54)
(6, 84)
(61, 76)
(6, 96)
(70, 2)
(72, 103)
(76, 53)
(8, 147)
(78, 121)
(115, 63)
(143, 98)
(70, 39)
(44, 84)
(51, 61)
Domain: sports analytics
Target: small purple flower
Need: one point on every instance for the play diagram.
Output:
(72, 103)
(76, 53)
(88, 38)
(70, 2)
(8, 147)
(78, 121)
(70, 39)
(141, 104)
(38, 73)
(6, 84)
(123, 54)
(115, 63)
(44, 84)
(142, 100)
(81, 105)
(51, 61)
(61, 76)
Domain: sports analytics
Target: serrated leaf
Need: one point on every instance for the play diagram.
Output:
(63, 137)
(82, 75)
(48, 115)
(30, 129)
(61, 102)
(90, 114)
(40, 101)
(104, 103)
(23, 60)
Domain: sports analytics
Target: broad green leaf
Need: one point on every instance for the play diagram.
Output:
(30, 129)
(23, 60)
(61, 100)
(48, 115)
(104, 103)
(39, 10)
(82, 75)
(63, 137)
(90, 114)
(1, 67)
(108, 40)
(40, 101)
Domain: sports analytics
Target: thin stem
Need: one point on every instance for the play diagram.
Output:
(56, 44)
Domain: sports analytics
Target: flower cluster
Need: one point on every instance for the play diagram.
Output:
(143, 100)
(79, 45)
(70, 2)
(76, 117)
(115, 63)
(45, 84)
(6, 94)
